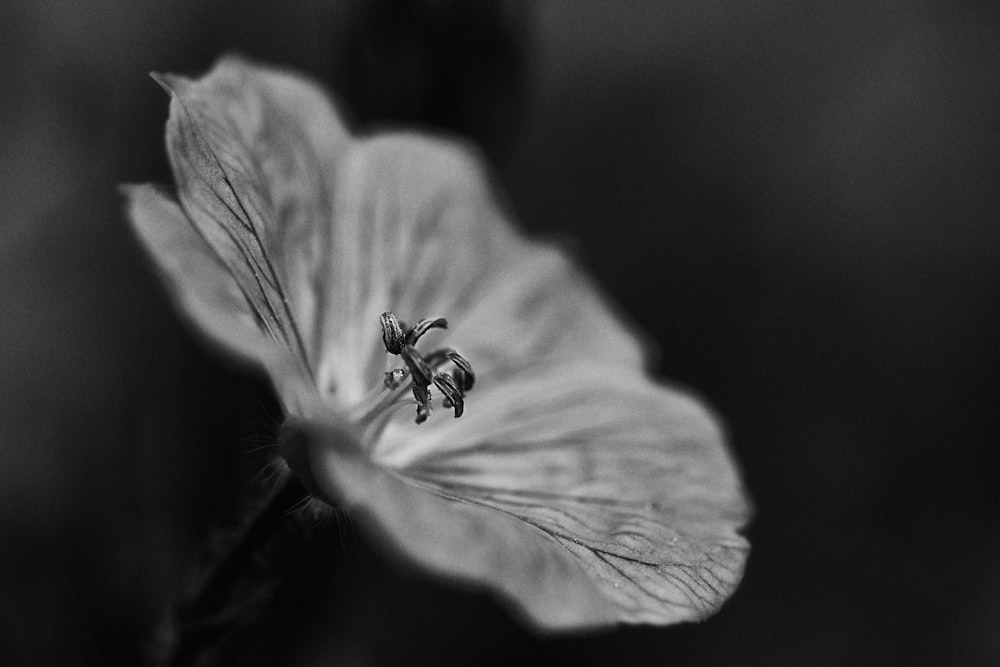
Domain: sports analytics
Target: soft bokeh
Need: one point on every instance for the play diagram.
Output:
(795, 200)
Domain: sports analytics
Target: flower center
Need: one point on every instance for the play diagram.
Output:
(419, 371)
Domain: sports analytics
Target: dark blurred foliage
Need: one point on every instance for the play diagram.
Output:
(796, 200)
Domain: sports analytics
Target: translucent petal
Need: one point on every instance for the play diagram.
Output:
(254, 153)
(204, 289)
(629, 480)
(418, 233)
(459, 539)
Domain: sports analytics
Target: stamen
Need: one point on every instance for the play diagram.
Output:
(464, 374)
(392, 333)
(453, 395)
(463, 370)
(423, 396)
(421, 370)
(422, 327)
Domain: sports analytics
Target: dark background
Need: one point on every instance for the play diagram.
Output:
(797, 200)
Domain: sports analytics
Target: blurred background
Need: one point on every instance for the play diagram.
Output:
(796, 200)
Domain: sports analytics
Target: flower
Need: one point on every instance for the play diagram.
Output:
(575, 486)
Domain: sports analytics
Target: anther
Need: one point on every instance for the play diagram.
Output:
(453, 395)
(464, 375)
(463, 370)
(423, 398)
(420, 369)
(392, 333)
(422, 327)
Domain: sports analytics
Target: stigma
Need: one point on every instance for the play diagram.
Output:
(423, 371)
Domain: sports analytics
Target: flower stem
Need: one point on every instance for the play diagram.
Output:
(234, 588)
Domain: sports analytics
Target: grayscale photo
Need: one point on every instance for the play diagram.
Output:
(436, 332)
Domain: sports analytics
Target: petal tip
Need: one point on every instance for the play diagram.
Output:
(167, 82)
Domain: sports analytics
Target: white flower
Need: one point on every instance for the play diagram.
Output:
(572, 484)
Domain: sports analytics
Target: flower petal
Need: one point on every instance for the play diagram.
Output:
(417, 232)
(254, 153)
(459, 539)
(631, 480)
(202, 286)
